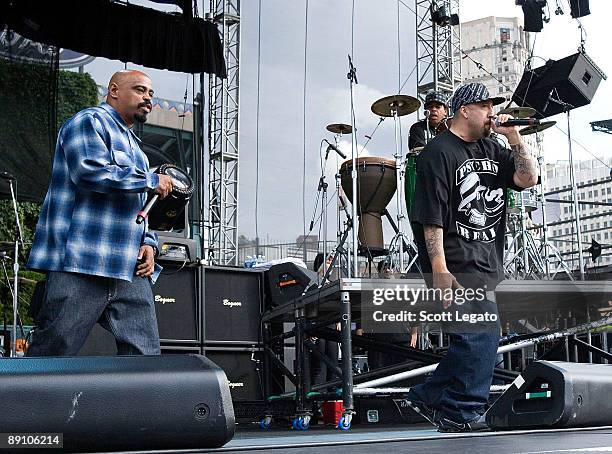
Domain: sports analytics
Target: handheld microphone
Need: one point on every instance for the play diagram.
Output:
(7, 176)
(144, 213)
(330, 146)
(518, 122)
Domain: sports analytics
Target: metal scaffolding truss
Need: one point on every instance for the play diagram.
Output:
(438, 49)
(223, 134)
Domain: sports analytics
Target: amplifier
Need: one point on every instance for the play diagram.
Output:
(232, 305)
(285, 282)
(244, 369)
(176, 295)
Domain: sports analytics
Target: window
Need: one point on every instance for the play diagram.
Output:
(595, 193)
(506, 68)
(500, 90)
(499, 69)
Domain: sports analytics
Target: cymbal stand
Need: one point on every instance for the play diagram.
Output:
(547, 248)
(400, 236)
(15, 288)
(352, 77)
(339, 203)
(567, 108)
(522, 250)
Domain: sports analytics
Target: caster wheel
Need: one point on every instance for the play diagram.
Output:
(345, 422)
(265, 423)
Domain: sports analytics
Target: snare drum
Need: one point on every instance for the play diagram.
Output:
(525, 198)
(410, 179)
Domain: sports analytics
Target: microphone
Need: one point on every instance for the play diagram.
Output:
(335, 148)
(518, 122)
(7, 176)
(144, 213)
(548, 100)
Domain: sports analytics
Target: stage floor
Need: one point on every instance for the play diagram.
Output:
(415, 439)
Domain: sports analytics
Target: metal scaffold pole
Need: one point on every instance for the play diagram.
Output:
(223, 139)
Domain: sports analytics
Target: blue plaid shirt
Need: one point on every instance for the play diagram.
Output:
(98, 184)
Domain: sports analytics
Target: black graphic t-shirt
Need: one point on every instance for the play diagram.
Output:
(461, 186)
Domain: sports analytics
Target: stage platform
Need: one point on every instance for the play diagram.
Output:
(415, 439)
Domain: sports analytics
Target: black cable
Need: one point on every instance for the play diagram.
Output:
(257, 131)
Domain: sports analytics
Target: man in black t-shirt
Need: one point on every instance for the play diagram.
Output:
(436, 109)
(459, 221)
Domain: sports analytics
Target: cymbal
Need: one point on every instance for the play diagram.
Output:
(400, 104)
(339, 128)
(537, 128)
(518, 112)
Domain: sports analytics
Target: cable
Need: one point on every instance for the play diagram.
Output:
(257, 130)
(304, 126)
(399, 47)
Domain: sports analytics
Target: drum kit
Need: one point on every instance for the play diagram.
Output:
(378, 179)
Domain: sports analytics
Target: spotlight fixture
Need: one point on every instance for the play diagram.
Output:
(441, 17)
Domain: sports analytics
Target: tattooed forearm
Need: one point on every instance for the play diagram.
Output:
(435, 245)
(524, 165)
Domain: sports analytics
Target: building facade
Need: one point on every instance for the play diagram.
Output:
(596, 221)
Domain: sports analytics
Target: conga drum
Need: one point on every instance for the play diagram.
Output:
(375, 187)
(410, 180)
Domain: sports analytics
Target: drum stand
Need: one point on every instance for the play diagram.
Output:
(517, 263)
(547, 249)
(400, 237)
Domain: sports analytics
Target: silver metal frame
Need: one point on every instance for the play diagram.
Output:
(223, 139)
(438, 49)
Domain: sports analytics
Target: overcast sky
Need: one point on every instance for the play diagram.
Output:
(285, 119)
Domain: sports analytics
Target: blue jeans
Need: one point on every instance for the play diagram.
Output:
(74, 303)
(459, 387)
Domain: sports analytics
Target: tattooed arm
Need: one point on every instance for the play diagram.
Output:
(441, 277)
(435, 248)
(525, 169)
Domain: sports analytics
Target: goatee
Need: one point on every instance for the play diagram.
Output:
(140, 118)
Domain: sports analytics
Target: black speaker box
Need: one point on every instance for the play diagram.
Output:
(285, 282)
(232, 305)
(575, 79)
(177, 303)
(555, 394)
(119, 403)
(244, 369)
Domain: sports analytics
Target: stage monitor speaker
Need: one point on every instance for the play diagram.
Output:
(119, 403)
(232, 305)
(575, 79)
(555, 394)
(177, 303)
(285, 282)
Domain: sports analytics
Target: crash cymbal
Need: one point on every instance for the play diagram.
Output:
(401, 104)
(537, 128)
(339, 128)
(518, 112)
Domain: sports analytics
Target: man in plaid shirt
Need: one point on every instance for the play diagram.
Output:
(99, 262)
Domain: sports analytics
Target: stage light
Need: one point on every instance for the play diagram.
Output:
(441, 17)
(579, 8)
(533, 11)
